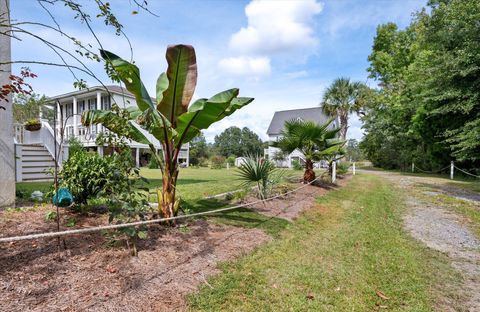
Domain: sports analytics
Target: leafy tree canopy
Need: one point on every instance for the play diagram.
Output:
(427, 106)
(238, 142)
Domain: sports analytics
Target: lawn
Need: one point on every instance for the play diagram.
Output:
(193, 183)
(349, 253)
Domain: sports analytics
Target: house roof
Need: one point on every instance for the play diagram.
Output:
(314, 114)
(109, 88)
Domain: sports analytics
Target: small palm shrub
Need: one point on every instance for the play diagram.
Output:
(342, 167)
(261, 172)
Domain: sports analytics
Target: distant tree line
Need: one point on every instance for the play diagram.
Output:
(427, 105)
(231, 143)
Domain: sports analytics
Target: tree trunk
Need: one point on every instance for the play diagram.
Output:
(309, 174)
(343, 125)
(167, 203)
(7, 155)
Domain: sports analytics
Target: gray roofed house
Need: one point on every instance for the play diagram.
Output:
(314, 114)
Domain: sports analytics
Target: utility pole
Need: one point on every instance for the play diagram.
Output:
(7, 154)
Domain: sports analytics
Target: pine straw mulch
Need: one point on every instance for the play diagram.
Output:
(92, 275)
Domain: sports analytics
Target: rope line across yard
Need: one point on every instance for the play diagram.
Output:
(467, 172)
(137, 223)
(436, 171)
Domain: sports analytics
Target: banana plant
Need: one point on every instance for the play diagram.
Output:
(169, 118)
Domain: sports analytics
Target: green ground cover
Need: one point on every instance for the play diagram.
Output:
(342, 255)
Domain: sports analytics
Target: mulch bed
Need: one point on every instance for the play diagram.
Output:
(91, 275)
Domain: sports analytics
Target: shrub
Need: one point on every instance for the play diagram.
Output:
(74, 146)
(218, 162)
(342, 167)
(203, 162)
(153, 163)
(296, 165)
(231, 160)
(87, 175)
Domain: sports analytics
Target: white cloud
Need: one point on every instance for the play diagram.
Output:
(246, 66)
(276, 26)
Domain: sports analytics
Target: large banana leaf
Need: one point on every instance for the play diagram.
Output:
(114, 123)
(130, 75)
(205, 112)
(182, 80)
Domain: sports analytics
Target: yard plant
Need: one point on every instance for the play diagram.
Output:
(169, 118)
(313, 140)
(261, 172)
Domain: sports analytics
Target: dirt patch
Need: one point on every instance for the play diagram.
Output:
(291, 206)
(444, 231)
(92, 276)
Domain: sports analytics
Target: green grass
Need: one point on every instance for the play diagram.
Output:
(334, 258)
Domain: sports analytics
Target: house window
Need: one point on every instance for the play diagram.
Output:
(69, 110)
(106, 102)
(69, 132)
(92, 104)
(81, 106)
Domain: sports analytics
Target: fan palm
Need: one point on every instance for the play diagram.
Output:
(342, 98)
(259, 171)
(314, 141)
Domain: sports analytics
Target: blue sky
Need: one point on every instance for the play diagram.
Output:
(283, 53)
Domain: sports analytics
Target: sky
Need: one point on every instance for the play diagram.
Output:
(284, 53)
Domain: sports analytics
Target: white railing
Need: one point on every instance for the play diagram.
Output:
(48, 137)
(19, 132)
(45, 136)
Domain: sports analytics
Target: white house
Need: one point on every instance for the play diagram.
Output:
(35, 150)
(314, 114)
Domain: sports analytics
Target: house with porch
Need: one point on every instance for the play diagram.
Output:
(276, 126)
(35, 150)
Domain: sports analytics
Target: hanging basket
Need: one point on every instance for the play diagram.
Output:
(33, 127)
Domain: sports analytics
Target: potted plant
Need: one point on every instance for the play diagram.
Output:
(33, 125)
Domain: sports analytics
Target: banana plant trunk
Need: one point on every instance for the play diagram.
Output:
(309, 174)
(167, 202)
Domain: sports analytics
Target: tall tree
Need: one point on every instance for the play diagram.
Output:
(198, 149)
(427, 108)
(238, 142)
(341, 99)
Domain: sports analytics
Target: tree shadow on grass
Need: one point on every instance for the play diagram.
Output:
(158, 182)
(242, 217)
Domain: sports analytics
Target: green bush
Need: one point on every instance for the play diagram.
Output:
(153, 163)
(74, 146)
(218, 162)
(88, 175)
(296, 165)
(342, 167)
(231, 160)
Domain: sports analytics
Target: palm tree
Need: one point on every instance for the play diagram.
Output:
(314, 141)
(342, 98)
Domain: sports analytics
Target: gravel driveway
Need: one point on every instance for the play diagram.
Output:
(443, 230)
